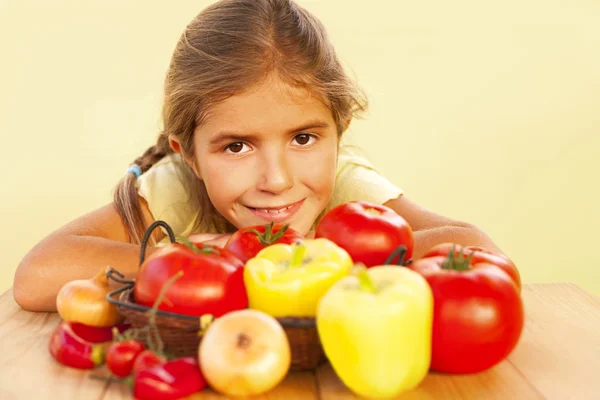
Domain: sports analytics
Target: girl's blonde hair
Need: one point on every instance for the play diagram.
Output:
(227, 49)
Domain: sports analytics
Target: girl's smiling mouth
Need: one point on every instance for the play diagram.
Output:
(276, 214)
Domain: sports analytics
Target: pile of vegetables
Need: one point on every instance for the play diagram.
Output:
(384, 319)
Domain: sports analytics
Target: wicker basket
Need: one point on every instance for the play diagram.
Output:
(180, 333)
(181, 338)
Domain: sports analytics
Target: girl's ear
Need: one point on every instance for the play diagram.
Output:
(176, 146)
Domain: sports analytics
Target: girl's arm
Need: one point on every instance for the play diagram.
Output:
(77, 250)
(431, 229)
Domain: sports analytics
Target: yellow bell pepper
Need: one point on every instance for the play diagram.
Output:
(376, 327)
(289, 280)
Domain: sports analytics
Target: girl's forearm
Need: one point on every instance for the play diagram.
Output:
(466, 235)
(58, 260)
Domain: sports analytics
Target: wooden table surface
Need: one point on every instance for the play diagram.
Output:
(558, 357)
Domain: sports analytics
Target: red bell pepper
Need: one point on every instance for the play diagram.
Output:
(71, 350)
(147, 359)
(97, 334)
(172, 380)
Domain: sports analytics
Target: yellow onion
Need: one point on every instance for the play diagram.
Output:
(84, 301)
(244, 353)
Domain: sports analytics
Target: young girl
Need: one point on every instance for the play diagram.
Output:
(255, 107)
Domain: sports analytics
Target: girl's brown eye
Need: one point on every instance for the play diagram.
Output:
(236, 147)
(302, 139)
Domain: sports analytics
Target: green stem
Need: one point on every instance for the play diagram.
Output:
(98, 354)
(152, 315)
(268, 237)
(298, 252)
(268, 233)
(275, 237)
(206, 249)
(457, 261)
(364, 280)
(188, 243)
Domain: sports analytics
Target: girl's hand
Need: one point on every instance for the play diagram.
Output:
(212, 239)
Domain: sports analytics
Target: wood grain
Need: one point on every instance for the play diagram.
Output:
(501, 382)
(559, 350)
(28, 371)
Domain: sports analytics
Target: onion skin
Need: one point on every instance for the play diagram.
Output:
(244, 353)
(84, 301)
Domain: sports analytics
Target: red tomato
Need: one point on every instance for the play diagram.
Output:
(212, 281)
(245, 243)
(121, 355)
(478, 313)
(479, 255)
(368, 232)
(147, 359)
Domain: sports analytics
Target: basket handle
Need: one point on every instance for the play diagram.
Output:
(119, 278)
(399, 252)
(146, 237)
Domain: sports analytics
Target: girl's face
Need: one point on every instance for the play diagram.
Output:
(267, 155)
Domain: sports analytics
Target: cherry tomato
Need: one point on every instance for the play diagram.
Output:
(245, 243)
(121, 356)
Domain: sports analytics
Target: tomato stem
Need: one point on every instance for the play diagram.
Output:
(109, 378)
(276, 236)
(188, 243)
(458, 261)
(267, 238)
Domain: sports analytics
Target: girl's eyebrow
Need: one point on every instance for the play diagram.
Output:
(226, 136)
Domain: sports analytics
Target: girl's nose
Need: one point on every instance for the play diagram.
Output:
(275, 175)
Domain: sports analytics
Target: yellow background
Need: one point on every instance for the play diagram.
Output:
(485, 113)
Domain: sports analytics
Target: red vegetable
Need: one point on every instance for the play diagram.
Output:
(121, 356)
(71, 350)
(479, 255)
(95, 334)
(212, 281)
(147, 359)
(172, 380)
(245, 243)
(478, 313)
(368, 232)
